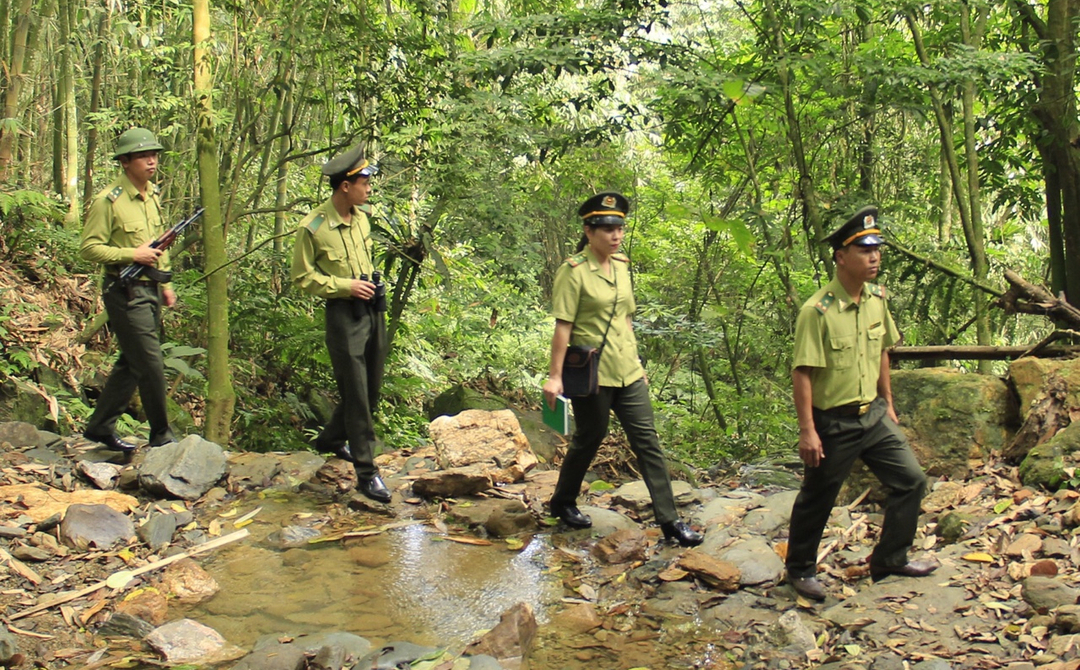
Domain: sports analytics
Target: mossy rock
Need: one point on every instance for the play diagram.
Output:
(951, 417)
(1029, 376)
(1046, 463)
(953, 525)
(459, 398)
(18, 402)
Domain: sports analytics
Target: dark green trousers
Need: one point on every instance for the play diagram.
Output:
(591, 417)
(880, 444)
(135, 320)
(356, 340)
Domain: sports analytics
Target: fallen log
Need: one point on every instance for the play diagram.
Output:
(1029, 298)
(979, 353)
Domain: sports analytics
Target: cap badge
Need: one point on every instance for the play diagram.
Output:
(608, 201)
(868, 222)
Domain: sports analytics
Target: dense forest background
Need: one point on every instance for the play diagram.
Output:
(742, 131)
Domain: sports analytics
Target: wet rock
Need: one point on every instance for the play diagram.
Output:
(1045, 464)
(635, 495)
(716, 573)
(791, 634)
(511, 517)
(511, 638)
(186, 469)
(121, 624)
(950, 417)
(623, 546)
(492, 441)
(369, 557)
(102, 475)
(19, 434)
(185, 640)
(30, 554)
(148, 604)
(274, 657)
(451, 483)
(98, 526)
(9, 646)
(942, 496)
(297, 467)
(188, 583)
(293, 536)
(756, 561)
(158, 530)
(394, 655)
(474, 513)
(128, 479)
(580, 618)
(252, 470)
(1047, 593)
(484, 662)
(1025, 543)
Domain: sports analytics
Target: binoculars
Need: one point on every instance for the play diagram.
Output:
(379, 299)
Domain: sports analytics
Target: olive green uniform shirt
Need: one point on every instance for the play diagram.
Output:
(584, 296)
(330, 253)
(842, 342)
(121, 219)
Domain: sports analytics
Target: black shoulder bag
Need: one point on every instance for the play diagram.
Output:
(581, 365)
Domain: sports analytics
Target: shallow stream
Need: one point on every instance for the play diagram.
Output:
(407, 583)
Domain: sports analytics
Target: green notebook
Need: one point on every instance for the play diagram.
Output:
(557, 419)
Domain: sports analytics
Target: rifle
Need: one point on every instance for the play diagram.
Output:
(135, 270)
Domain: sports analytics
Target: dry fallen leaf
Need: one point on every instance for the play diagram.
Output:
(468, 540)
(978, 557)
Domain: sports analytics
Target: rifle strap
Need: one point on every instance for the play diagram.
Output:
(160, 276)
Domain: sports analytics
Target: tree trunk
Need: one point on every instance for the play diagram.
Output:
(95, 104)
(10, 123)
(221, 397)
(67, 12)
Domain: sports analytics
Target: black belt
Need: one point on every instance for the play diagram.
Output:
(851, 409)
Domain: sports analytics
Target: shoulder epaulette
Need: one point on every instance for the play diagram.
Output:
(115, 193)
(877, 289)
(621, 257)
(314, 224)
(576, 260)
(826, 301)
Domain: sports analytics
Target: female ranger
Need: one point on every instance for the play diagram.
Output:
(592, 304)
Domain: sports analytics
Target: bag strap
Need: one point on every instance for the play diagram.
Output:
(614, 306)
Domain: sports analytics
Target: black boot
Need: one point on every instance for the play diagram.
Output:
(111, 442)
(682, 533)
(373, 488)
(571, 516)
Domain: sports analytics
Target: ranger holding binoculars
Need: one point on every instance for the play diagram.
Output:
(333, 259)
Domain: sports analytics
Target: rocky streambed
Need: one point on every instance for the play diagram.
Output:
(192, 556)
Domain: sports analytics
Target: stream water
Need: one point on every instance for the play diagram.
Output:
(408, 583)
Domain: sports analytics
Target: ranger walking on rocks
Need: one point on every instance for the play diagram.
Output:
(124, 220)
(843, 398)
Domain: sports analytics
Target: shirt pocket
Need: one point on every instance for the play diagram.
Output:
(336, 262)
(874, 338)
(840, 354)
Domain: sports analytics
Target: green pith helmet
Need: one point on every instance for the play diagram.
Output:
(136, 140)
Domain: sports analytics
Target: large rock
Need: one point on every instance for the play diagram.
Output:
(511, 638)
(635, 495)
(19, 434)
(22, 402)
(186, 469)
(459, 398)
(1046, 593)
(98, 526)
(252, 470)
(41, 502)
(492, 441)
(756, 560)
(188, 583)
(186, 640)
(1030, 376)
(622, 546)
(1047, 464)
(719, 574)
(452, 483)
(950, 417)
